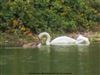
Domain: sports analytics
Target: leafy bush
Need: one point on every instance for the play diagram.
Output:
(49, 15)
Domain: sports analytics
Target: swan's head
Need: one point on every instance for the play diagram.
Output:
(47, 36)
(81, 40)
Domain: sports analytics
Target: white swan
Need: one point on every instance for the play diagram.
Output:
(81, 40)
(62, 40)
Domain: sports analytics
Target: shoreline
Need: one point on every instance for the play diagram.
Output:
(13, 40)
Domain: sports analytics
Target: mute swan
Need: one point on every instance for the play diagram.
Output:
(62, 40)
(31, 45)
(81, 40)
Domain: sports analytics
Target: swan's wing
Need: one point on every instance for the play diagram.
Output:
(63, 40)
(81, 40)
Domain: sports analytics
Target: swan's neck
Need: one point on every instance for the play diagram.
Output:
(47, 35)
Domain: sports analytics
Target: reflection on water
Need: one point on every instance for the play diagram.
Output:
(65, 60)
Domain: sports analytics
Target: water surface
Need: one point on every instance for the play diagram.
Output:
(51, 60)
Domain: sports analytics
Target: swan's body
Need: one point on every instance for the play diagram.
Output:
(31, 45)
(81, 40)
(62, 40)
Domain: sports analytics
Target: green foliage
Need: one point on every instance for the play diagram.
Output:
(50, 15)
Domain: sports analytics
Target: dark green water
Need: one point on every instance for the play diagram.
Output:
(53, 60)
